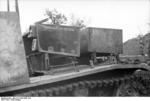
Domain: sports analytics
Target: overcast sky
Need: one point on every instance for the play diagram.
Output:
(132, 16)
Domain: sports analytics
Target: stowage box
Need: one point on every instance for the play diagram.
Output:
(101, 40)
(63, 40)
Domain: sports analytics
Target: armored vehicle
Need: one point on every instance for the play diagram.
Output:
(56, 60)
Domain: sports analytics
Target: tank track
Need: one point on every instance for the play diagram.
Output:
(144, 78)
(66, 90)
(69, 88)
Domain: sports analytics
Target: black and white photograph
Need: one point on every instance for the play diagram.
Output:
(74, 48)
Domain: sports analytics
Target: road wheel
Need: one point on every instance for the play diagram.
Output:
(102, 91)
(130, 88)
(81, 92)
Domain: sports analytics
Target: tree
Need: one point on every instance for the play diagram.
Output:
(141, 43)
(77, 22)
(56, 17)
